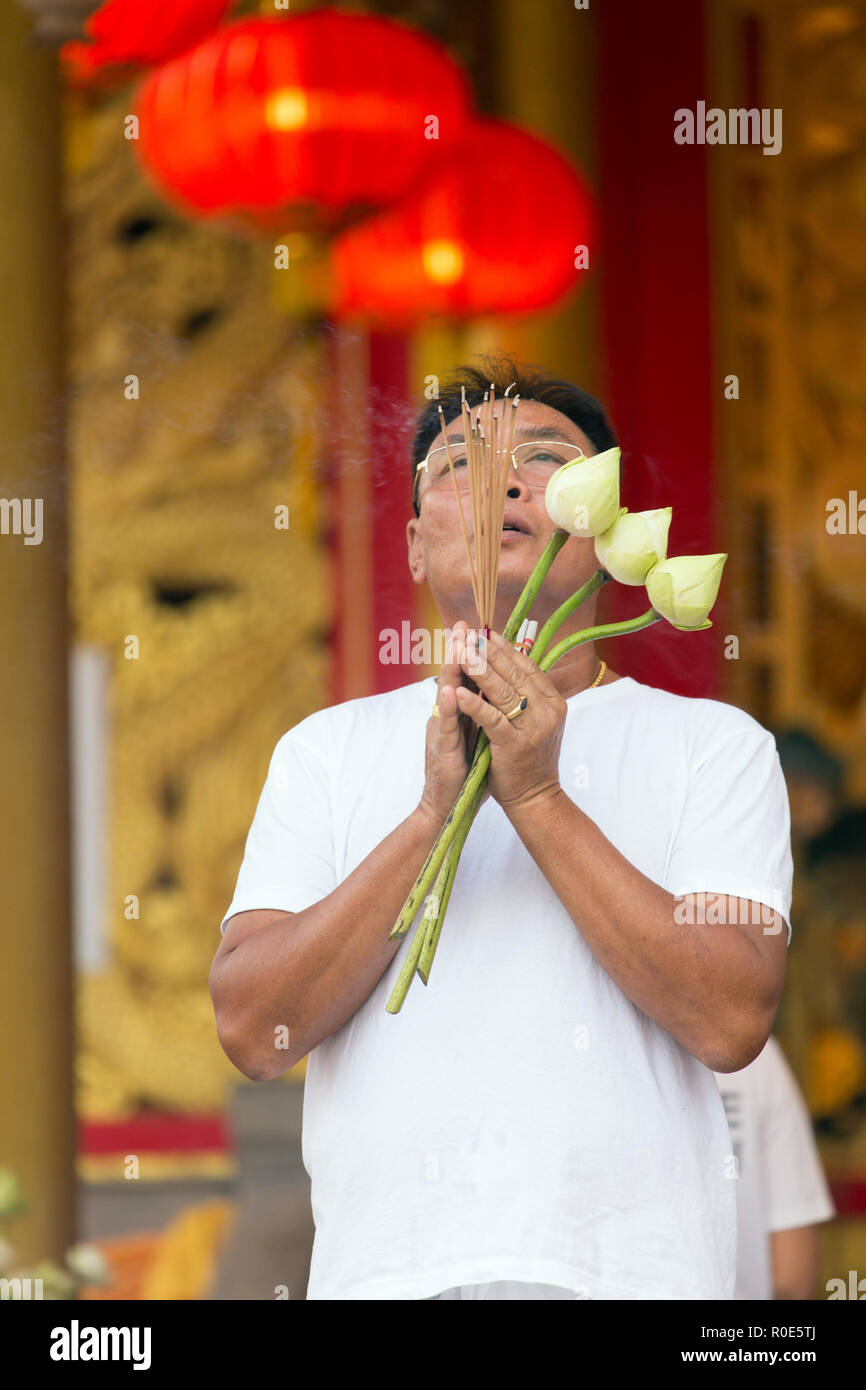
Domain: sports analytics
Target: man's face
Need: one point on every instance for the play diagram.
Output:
(437, 552)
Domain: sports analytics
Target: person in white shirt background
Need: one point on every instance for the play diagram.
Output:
(542, 1120)
(782, 1192)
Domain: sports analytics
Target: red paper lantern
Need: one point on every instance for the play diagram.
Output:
(499, 230)
(313, 121)
(131, 34)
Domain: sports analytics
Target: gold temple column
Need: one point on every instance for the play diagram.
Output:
(37, 1134)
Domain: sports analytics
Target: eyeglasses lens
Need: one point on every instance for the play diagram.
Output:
(536, 462)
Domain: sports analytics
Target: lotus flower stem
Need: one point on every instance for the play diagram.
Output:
(423, 948)
(534, 583)
(410, 961)
(474, 781)
(437, 875)
(564, 611)
(591, 634)
(482, 745)
(449, 867)
(481, 752)
(431, 918)
(423, 945)
(542, 641)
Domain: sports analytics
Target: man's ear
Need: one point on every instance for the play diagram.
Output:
(416, 550)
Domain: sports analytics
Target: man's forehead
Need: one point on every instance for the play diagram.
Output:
(533, 420)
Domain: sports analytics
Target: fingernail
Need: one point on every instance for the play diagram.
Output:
(482, 642)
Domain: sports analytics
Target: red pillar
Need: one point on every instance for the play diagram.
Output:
(389, 435)
(366, 474)
(661, 378)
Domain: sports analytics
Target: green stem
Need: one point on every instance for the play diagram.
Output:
(445, 854)
(443, 889)
(534, 583)
(481, 752)
(481, 763)
(441, 893)
(555, 621)
(410, 961)
(481, 756)
(564, 611)
(592, 634)
(463, 811)
(422, 948)
(473, 782)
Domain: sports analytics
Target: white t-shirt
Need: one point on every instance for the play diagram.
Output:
(519, 1118)
(781, 1183)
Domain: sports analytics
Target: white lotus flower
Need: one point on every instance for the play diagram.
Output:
(582, 497)
(684, 589)
(635, 542)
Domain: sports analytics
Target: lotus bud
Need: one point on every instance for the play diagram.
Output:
(582, 497)
(634, 543)
(684, 589)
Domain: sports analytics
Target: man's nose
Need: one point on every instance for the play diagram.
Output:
(518, 487)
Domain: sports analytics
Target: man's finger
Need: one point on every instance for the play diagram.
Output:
(446, 702)
(451, 673)
(491, 673)
(519, 667)
(497, 728)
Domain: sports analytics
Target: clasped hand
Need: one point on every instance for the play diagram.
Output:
(524, 751)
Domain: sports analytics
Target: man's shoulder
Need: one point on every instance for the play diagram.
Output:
(701, 717)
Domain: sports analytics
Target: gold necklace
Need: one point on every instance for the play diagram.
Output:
(601, 670)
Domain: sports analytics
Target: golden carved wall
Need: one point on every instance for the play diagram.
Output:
(790, 231)
(174, 544)
(789, 234)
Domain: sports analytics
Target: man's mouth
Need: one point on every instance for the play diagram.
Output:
(512, 522)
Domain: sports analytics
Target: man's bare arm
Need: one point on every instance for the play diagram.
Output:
(795, 1259)
(714, 988)
(310, 971)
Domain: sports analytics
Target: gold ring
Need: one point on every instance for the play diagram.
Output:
(518, 709)
(436, 711)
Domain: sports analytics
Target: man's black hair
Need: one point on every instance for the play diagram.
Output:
(529, 382)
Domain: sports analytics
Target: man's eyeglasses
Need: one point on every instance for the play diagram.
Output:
(537, 461)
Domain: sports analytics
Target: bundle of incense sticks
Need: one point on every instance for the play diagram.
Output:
(487, 442)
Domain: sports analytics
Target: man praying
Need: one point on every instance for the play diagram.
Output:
(541, 1121)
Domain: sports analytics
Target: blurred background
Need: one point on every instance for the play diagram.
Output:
(239, 245)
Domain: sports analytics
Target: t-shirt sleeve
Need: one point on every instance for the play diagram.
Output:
(288, 859)
(734, 835)
(796, 1188)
